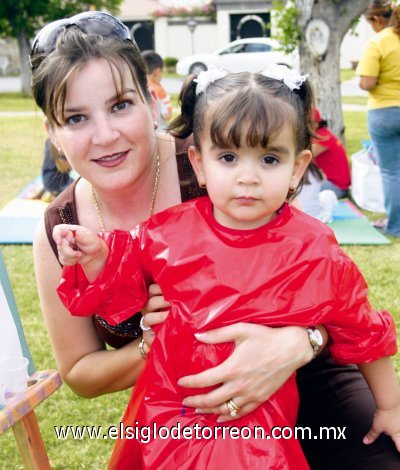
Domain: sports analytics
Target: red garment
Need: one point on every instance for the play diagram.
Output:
(333, 161)
(290, 271)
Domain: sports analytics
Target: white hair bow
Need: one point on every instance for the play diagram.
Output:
(289, 77)
(205, 78)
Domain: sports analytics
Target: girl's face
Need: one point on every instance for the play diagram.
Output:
(248, 185)
(108, 141)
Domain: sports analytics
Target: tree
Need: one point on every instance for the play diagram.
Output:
(21, 19)
(318, 27)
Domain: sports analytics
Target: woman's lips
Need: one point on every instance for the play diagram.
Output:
(111, 160)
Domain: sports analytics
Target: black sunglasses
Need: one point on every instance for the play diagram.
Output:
(91, 22)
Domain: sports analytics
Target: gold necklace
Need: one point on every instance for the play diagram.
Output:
(153, 197)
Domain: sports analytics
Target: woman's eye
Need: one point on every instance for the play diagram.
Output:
(75, 119)
(270, 160)
(121, 106)
(227, 157)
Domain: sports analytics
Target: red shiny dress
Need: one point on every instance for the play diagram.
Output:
(290, 271)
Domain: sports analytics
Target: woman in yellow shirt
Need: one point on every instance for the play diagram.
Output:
(379, 71)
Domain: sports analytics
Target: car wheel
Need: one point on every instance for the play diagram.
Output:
(197, 67)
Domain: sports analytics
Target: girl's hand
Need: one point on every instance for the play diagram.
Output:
(154, 312)
(76, 244)
(388, 422)
(263, 359)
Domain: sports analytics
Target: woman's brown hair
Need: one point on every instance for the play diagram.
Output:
(74, 49)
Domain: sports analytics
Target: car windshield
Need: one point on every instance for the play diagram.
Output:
(244, 48)
(257, 47)
(234, 49)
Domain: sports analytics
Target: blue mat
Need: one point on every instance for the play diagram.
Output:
(352, 227)
(20, 217)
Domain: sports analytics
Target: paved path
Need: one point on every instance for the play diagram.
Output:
(173, 86)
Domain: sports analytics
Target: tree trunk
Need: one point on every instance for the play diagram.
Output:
(24, 50)
(324, 24)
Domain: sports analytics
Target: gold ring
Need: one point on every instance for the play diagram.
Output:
(234, 410)
(141, 349)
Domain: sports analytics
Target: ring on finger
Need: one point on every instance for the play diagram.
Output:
(141, 349)
(143, 327)
(234, 410)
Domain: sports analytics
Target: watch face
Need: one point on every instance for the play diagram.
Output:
(316, 337)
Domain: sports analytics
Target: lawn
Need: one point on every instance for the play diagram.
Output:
(20, 159)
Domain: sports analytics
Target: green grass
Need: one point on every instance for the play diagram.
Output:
(347, 74)
(21, 147)
(355, 100)
(16, 102)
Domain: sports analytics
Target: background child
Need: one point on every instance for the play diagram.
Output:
(245, 256)
(331, 157)
(155, 66)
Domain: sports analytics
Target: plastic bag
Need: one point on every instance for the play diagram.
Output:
(366, 183)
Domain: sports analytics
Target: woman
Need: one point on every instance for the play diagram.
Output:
(90, 81)
(379, 70)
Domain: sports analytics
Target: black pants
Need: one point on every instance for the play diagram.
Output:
(338, 396)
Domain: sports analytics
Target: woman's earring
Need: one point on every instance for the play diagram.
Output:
(155, 125)
(202, 184)
(292, 189)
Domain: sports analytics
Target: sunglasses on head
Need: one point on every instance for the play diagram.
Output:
(91, 22)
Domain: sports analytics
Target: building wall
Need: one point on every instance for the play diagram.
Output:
(353, 45)
(173, 38)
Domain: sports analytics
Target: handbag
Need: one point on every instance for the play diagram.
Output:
(366, 182)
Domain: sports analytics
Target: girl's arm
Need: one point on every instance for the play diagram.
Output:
(85, 365)
(382, 380)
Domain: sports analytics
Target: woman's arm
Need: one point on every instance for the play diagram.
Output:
(368, 83)
(263, 359)
(82, 360)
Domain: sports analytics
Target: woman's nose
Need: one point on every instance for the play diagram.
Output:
(104, 133)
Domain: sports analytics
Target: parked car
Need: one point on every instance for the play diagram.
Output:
(252, 54)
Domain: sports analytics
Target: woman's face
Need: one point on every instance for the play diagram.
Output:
(108, 141)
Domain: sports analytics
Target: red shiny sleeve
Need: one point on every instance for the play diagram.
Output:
(358, 333)
(118, 292)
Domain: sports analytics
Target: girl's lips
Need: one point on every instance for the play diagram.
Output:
(246, 200)
(111, 160)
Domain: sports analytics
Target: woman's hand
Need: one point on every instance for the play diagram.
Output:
(154, 312)
(263, 359)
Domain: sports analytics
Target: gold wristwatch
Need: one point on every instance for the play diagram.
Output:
(316, 340)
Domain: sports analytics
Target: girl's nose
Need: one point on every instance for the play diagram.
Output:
(248, 175)
(104, 133)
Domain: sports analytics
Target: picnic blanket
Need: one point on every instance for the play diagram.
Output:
(352, 227)
(19, 218)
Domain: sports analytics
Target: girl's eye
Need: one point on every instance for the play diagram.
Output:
(75, 119)
(270, 160)
(227, 157)
(121, 106)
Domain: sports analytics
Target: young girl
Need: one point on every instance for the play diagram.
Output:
(243, 254)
